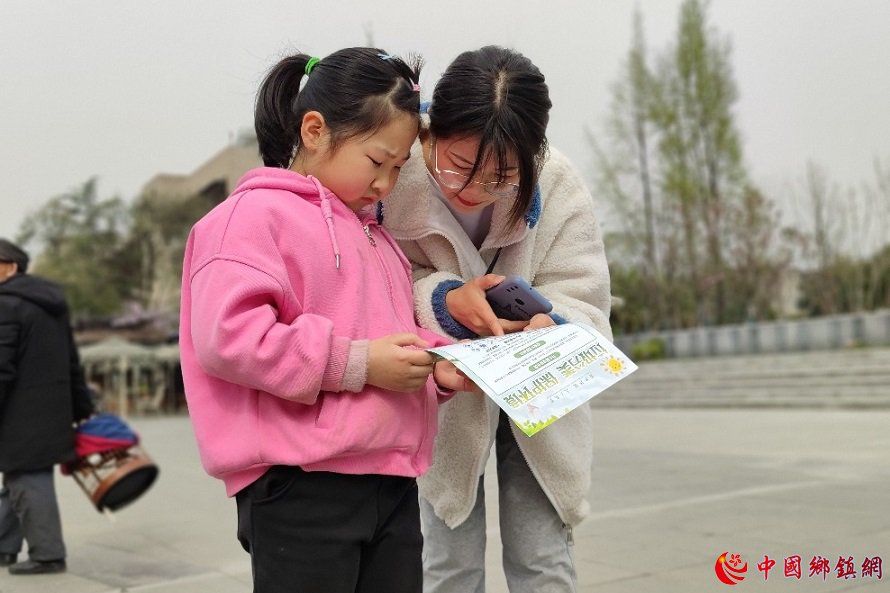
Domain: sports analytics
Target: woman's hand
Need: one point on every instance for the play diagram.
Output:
(467, 305)
(538, 321)
(393, 364)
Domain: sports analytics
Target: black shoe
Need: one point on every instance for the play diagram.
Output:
(7, 559)
(37, 567)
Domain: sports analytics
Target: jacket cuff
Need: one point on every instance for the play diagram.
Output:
(558, 319)
(332, 379)
(451, 326)
(356, 374)
(443, 394)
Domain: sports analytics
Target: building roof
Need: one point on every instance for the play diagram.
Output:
(226, 166)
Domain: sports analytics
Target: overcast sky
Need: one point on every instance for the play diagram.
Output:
(124, 90)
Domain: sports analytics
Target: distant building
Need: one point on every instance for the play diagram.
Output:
(215, 179)
(211, 182)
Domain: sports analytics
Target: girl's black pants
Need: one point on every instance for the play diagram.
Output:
(321, 532)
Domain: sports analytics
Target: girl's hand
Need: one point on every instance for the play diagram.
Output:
(538, 321)
(449, 376)
(393, 365)
(467, 305)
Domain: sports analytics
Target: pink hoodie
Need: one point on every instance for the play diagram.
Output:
(283, 286)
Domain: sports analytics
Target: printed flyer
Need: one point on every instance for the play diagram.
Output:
(539, 376)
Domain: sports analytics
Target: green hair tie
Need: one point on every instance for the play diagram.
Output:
(311, 64)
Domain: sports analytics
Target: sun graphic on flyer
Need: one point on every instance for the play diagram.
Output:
(613, 365)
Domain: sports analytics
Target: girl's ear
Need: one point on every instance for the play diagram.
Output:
(313, 130)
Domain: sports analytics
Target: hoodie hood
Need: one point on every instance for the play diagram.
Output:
(307, 188)
(284, 179)
(47, 295)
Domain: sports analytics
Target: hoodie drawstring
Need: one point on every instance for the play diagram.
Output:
(328, 217)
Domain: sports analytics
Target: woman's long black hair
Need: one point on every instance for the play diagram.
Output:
(499, 96)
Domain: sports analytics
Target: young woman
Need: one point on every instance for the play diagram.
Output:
(482, 194)
(305, 374)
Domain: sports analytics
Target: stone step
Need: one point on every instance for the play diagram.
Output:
(847, 403)
(729, 391)
(871, 357)
(728, 381)
(839, 379)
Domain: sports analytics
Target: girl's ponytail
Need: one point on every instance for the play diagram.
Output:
(275, 120)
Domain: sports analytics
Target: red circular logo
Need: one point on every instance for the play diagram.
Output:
(730, 570)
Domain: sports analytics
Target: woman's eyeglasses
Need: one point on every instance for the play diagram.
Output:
(455, 180)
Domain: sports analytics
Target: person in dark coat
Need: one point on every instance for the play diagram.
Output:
(42, 396)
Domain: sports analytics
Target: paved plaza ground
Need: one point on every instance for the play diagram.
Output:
(673, 490)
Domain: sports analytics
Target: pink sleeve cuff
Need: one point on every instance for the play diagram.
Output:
(356, 374)
(443, 395)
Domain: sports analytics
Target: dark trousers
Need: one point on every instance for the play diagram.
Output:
(320, 532)
(29, 511)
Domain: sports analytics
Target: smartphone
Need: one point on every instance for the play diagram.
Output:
(516, 300)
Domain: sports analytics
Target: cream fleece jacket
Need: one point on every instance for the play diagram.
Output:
(559, 250)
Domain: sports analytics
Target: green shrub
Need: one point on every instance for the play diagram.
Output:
(651, 349)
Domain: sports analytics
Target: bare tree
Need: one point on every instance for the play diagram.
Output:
(624, 176)
(703, 237)
(78, 238)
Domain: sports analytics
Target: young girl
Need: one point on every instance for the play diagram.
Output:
(305, 373)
